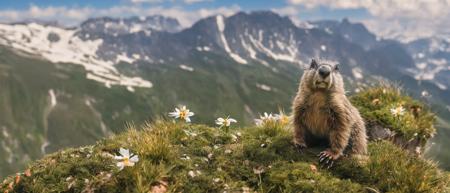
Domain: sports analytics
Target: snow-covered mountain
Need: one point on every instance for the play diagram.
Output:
(432, 57)
(101, 43)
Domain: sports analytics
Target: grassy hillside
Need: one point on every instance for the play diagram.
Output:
(179, 157)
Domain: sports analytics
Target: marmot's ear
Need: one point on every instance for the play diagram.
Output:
(336, 67)
(313, 64)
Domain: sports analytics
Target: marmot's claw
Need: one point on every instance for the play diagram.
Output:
(330, 165)
(326, 158)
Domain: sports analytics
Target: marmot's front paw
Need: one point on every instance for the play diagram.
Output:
(299, 146)
(327, 158)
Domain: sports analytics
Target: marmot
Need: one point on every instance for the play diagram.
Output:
(322, 113)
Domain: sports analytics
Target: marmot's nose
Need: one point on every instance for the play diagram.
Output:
(324, 71)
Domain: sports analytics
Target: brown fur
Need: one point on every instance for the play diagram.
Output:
(324, 112)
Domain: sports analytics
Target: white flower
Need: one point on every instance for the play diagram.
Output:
(191, 174)
(126, 159)
(190, 133)
(264, 119)
(258, 170)
(216, 180)
(226, 122)
(398, 111)
(182, 113)
(185, 157)
(227, 151)
(194, 173)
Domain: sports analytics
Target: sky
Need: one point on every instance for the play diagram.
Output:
(402, 18)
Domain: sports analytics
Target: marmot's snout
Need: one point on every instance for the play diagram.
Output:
(324, 71)
(323, 78)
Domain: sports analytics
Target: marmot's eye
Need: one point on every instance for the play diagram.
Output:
(336, 67)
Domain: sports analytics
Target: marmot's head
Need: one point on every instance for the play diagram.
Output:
(323, 76)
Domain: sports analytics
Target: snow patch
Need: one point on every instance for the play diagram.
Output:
(32, 38)
(357, 73)
(136, 28)
(420, 55)
(290, 47)
(440, 85)
(263, 87)
(44, 146)
(5, 132)
(53, 101)
(187, 68)
(427, 70)
(221, 27)
(204, 48)
(130, 88)
(124, 58)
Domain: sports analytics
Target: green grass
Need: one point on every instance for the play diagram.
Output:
(375, 105)
(223, 161)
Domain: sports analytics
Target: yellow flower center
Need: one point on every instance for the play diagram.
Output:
(183, 114)
(284, 120)
(126, 161)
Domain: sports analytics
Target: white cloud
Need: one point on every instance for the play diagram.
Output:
(195, 1)
(146, 1)
(161, 1)
(408, 18)
(73, 16)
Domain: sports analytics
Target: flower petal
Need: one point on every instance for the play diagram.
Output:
(124, 152)
(120, 165)
(118, 157)
(134, 159)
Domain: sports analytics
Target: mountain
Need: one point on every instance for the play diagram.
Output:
(71, 86)
(432, 58)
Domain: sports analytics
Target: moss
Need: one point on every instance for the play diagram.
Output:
(197, 158)
(375, 105)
